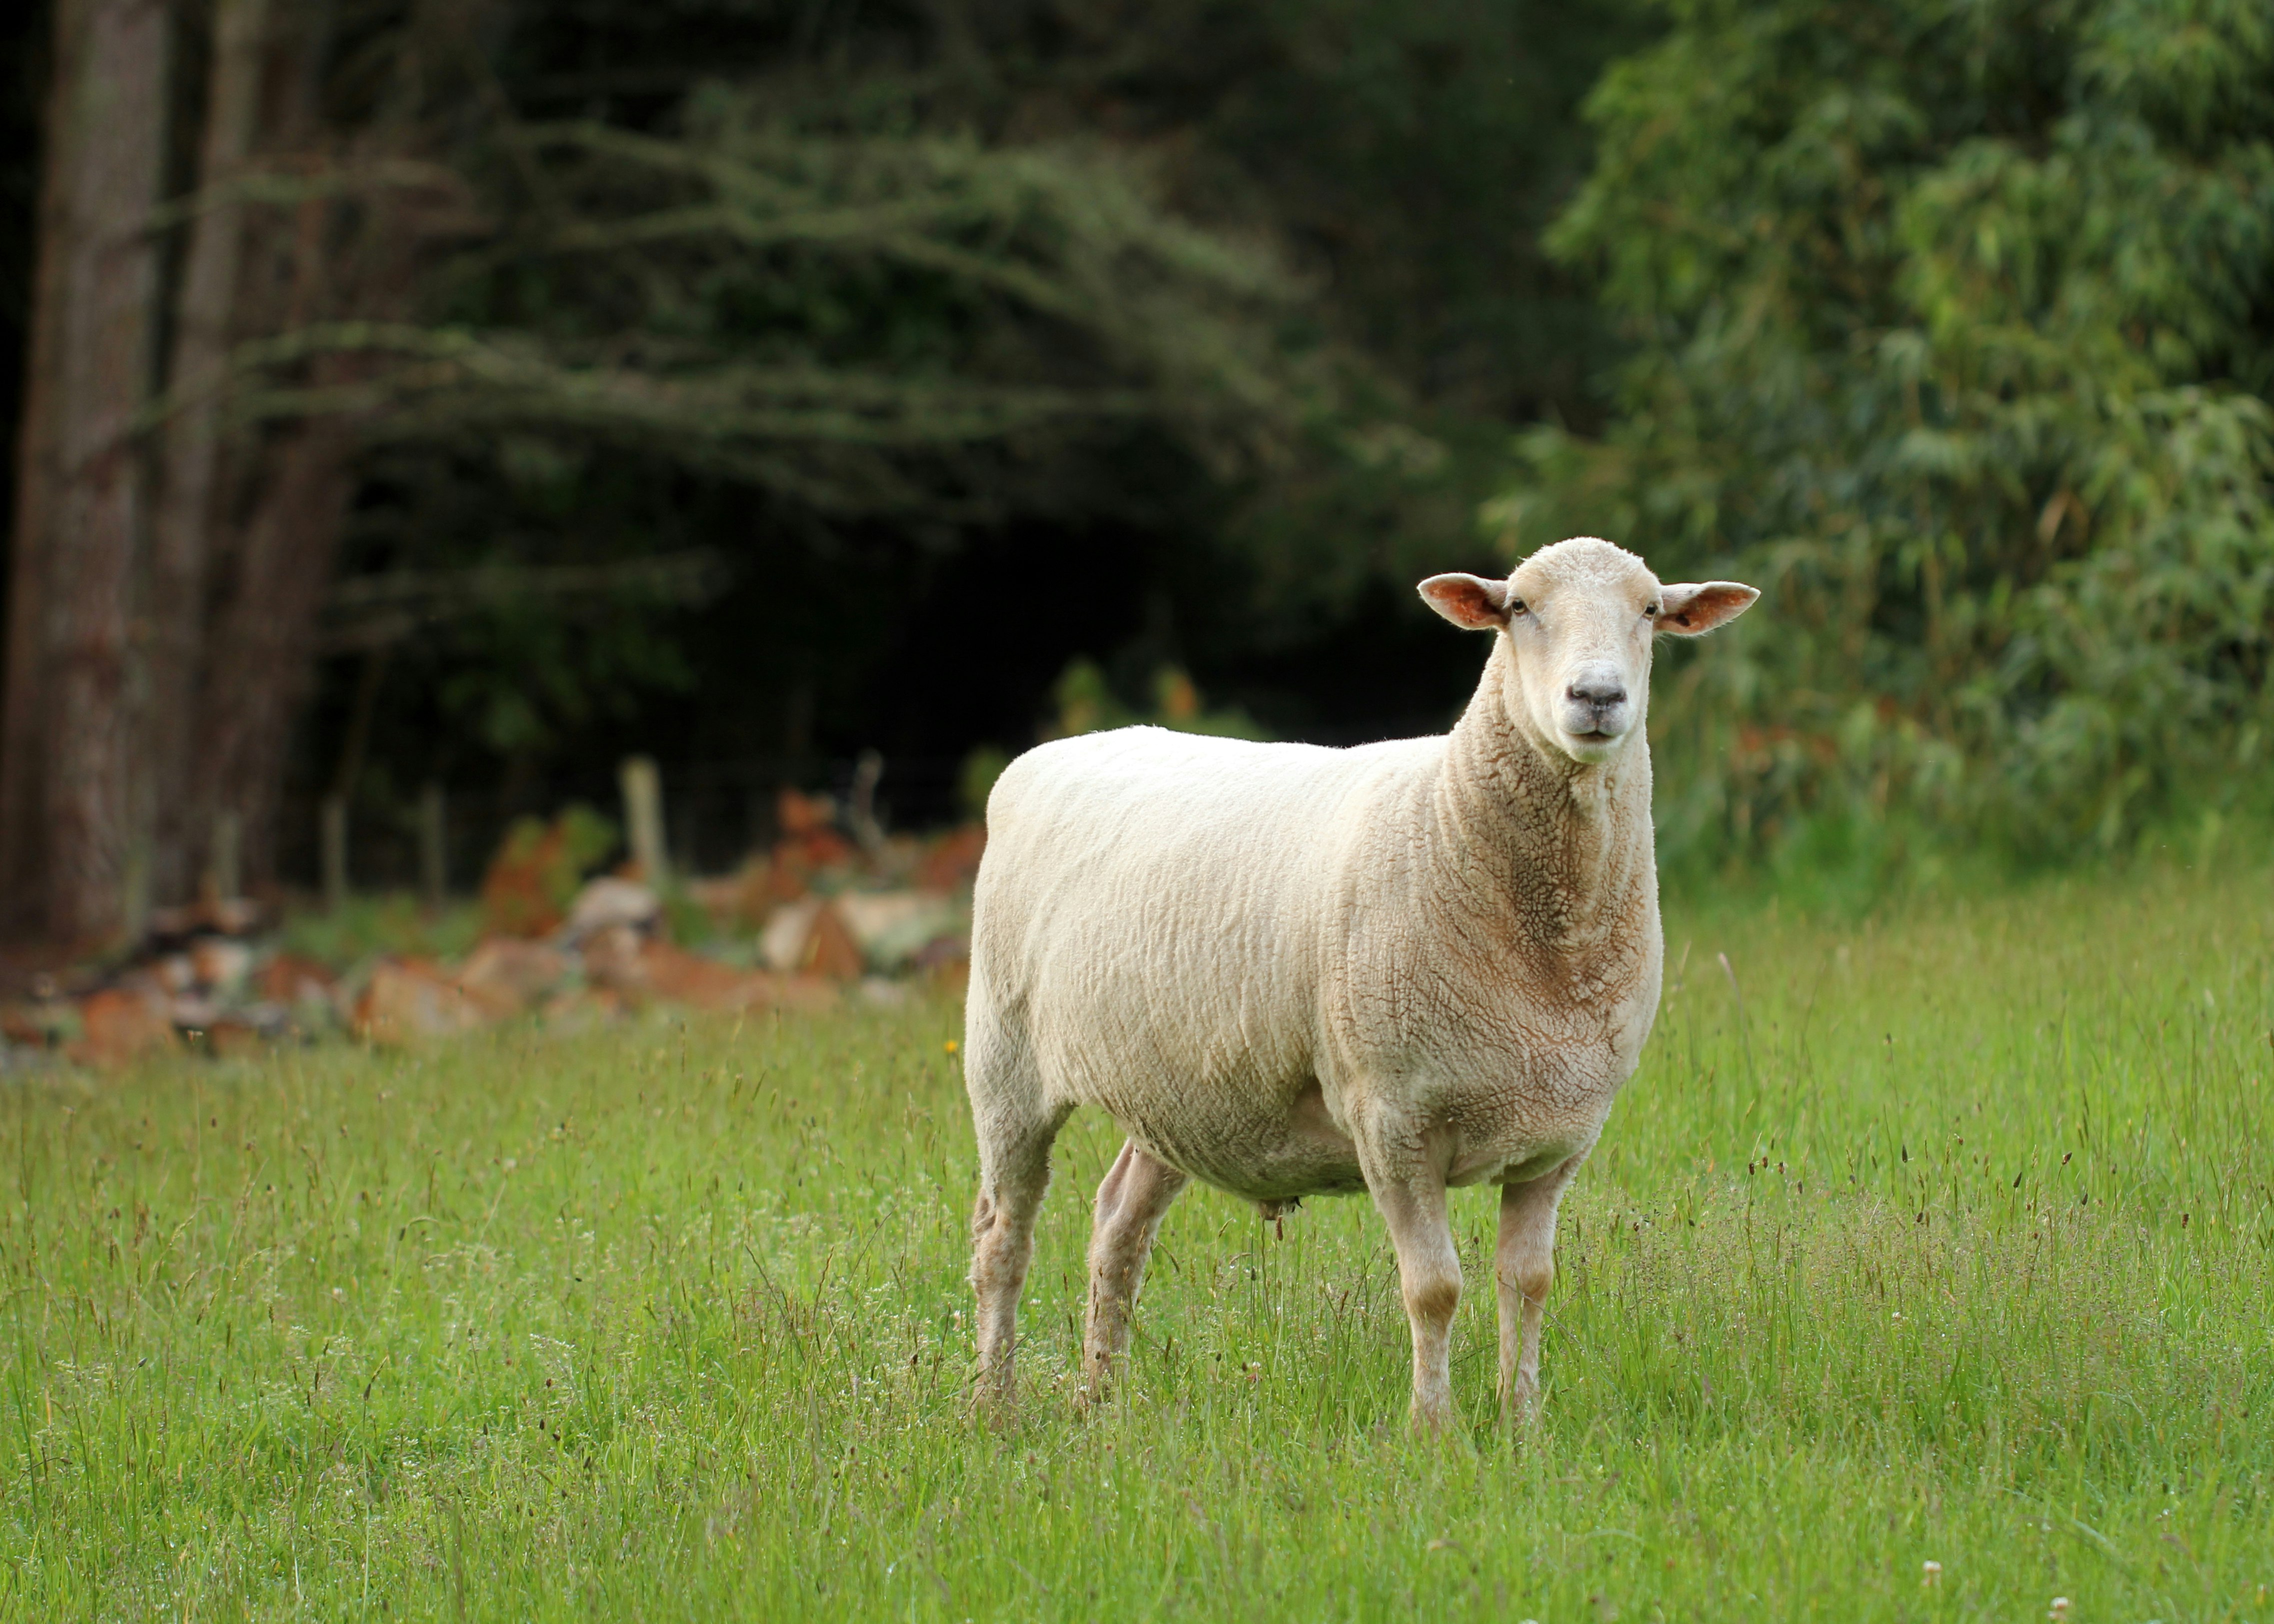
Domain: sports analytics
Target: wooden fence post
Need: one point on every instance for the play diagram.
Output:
(225, 871)
(643, 787)
(433, 854)
(867, 772)
(335, 852)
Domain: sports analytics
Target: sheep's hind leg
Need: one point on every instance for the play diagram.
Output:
(1130, 1203)
(1523, 1268)
(1409, 1189)
(1014, 1171)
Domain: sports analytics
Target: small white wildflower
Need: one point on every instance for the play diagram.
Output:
(2061, 1608)
(1931, 1576)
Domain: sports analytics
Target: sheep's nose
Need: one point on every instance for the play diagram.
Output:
(1601, 692)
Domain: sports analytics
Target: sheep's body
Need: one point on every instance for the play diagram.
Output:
(1237, 951)
(1285, 970)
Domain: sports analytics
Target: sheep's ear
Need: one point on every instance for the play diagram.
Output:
(1470, 602)
(1693, 611)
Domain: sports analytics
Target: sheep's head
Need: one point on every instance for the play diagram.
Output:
(1579, 618)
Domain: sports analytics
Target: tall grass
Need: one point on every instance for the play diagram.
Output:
(1944, 1236)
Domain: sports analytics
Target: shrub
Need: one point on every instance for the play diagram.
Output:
(1950, 330)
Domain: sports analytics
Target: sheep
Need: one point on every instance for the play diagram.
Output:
(1287, 970)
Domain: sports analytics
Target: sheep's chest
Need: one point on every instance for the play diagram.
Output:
(1514, 1064)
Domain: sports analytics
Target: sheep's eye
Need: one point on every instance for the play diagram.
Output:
(1651, 610)
(1515, 607)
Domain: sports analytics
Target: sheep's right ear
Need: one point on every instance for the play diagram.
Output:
(1470, 602)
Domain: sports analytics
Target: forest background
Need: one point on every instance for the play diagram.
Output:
(411, 393)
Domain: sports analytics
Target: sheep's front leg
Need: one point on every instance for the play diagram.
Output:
(1131, 1204)
(1523, 1269)
(1409, 1191)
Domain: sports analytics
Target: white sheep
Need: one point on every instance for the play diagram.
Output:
(1286, 971)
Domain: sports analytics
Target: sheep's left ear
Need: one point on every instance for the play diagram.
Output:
(1692, 611)
(1470, 602)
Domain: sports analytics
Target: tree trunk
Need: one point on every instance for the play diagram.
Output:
(260, 657)
(23, 711)
(113, 105)
(181, 544)
(273, 560)
(344, 260)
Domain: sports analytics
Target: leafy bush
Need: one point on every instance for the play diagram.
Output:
(395, 923)
(534, 878)
(1088, 704)
(1951, 330)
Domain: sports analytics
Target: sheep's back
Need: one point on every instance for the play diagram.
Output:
(1154, 907)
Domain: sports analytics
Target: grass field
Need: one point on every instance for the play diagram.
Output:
(1946, 1237)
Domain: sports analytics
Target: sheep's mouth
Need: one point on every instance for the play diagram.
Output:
(1592, 744)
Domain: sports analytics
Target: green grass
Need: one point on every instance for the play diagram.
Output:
(1954, 1246)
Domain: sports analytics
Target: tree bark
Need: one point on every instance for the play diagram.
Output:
(181, 536)
(123, 740)
(273, 559)
(104, 378)
(23, 711)
(351, 259)
(113, 108)
(261, 655)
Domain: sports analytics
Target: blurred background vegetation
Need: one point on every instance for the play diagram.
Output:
(754, 384)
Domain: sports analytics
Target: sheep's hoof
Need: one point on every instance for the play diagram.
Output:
(1432, 1420)
(995, 1404)
(1519, 1401)
(1096, 1389)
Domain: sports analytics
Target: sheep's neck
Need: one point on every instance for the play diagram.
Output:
(1560, 848)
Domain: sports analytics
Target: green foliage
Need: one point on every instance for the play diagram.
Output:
(976, 778)
(1950, 332)
(684, 918)
(820, 297)
(365, 925)
(540, 867)
(1886, 1264)
(1250, 293)
(1411, 153)
(804, 313)
(1087, 704)
(586, 836)
(524, 674)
